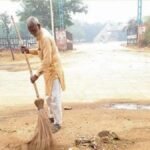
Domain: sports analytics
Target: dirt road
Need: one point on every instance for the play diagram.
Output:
(94, 72)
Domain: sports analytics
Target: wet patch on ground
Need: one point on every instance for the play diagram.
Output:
(128, 106)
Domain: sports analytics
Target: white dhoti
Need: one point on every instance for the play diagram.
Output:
(54, 103)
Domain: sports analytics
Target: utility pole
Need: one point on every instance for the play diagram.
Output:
(139, 12)
(52, 18)
(61, 13)
(139, 22)
(61, 34)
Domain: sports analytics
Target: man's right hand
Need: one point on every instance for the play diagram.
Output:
(24, 49)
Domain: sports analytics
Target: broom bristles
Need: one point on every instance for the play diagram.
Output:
(42, 139)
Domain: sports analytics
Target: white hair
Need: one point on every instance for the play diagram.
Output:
(32, 20)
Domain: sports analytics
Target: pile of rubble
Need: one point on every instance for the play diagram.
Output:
(104, 140)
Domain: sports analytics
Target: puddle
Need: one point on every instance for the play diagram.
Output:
(128, 106)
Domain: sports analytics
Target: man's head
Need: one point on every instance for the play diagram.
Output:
(33, 25)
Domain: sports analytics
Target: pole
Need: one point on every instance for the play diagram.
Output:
(61, 13)
(52, 17)
(139, 12)
(139, 21)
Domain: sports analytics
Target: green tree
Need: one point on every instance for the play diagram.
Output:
(5, 24)
(41, 10)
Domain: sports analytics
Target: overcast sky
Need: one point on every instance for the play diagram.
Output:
(9, 7)
(98, 10)
(112, 10)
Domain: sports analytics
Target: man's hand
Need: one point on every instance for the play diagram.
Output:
(33, 78)
(24, 49)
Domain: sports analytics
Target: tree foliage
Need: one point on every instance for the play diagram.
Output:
(85, 32)
(5, 24)
(41, 10)
(7, 29)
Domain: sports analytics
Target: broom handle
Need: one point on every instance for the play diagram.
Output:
(29, 66)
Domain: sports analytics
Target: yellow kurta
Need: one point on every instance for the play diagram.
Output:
(51, 66)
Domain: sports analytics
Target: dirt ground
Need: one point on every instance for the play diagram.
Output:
(133, 127)
(89, 116)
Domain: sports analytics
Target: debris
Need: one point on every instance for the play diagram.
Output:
(67, 108)
(101, 141)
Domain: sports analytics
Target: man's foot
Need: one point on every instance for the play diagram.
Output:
(51, 120)
(56, 128)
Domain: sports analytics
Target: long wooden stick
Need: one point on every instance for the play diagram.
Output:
(29, 66)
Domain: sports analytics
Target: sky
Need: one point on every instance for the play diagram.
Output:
(98, 10)
(112, 10)
(9, 7)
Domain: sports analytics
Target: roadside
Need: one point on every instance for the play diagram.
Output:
(132, 126)
(96, 75)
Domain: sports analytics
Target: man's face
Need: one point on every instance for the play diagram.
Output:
(34, 29)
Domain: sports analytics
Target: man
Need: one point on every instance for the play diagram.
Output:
(50, 67)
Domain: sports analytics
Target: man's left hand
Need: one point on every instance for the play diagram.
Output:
(33, 78)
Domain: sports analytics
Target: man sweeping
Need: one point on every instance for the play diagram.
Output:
(50, 67)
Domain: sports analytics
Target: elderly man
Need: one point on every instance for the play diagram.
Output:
(50, 67)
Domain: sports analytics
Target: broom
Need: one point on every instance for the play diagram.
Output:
(42, 139)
